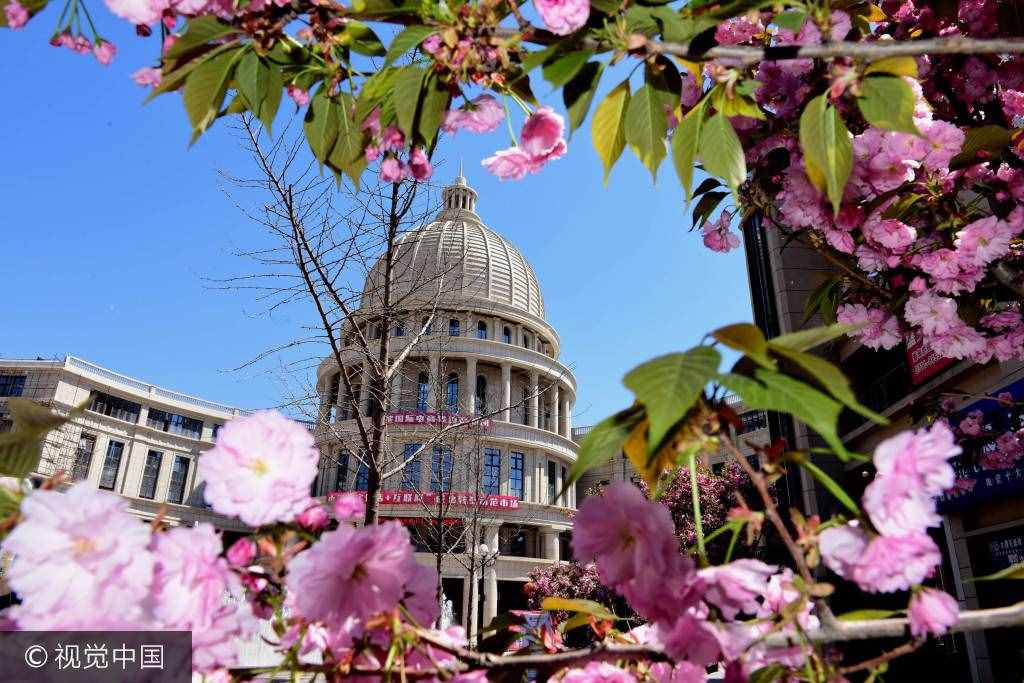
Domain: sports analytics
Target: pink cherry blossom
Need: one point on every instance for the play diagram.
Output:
(349, 507)
(1002, 320)
(932, 612)
(509, 164)
(242, 552)
(393, 139)
(432, 44)
(482, 115)
(421, 595)
(682, 672)
(392, 170)
(313, 518)
(598, 672)
(352, 573)
(563, 17)
(147, 76)
(80, 560)
(890, 233)
(104, 52)
(541, 135)
(932, 313)
(736, 587)
(897, 505)
(984, 240)
(971, 425)
(261, 469)
(371, 124)
(877, 328)
(419, 165)
(922, 454)
(717, 236)
(300, 96)
(944, 141)
(689, 637)
(17, 15)
(135, 11)
(842, 547)
(191, 584)
(737, 30)
(894, 563)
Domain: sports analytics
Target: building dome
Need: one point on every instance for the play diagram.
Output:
(462, 262)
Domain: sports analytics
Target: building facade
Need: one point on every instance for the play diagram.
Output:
(480, 418)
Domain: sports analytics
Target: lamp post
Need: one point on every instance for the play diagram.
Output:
(485, 558)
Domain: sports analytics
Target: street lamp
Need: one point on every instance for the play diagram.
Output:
(487, 557)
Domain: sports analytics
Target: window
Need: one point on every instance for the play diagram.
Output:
(333, 394)
(377, 331)
(216, 430)
(427, 326)
(526, 406)
(441, 469)
(515, 474)
(492, 471)
(422, 392)
(341, 475)
(506, 335)
(179, 476)
(412, 472)
(481, 330)
(526, 340)
(453, 328)
(12, 385)
(481, 395)
(347, 411)
(753, 420)
(119, 408)
(83, 457)
(362, 477)
(453, 393)
(150, 473)
(400, 328)
(111, 465)
(552, 484)
(564, 501)
(175, 424)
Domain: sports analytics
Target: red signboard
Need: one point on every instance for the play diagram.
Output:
(924, 363)
(442, 419)
(453, 498)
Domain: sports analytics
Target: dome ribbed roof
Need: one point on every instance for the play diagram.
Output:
(472, 263)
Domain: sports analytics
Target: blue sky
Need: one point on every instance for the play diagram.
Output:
(111, 226)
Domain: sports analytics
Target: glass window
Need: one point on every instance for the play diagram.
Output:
(179, 476)
(753, 420)
(115, 407)
(400, 328)
(552, 484)
(12, 385)
(526, 340)
(175, 424)
(111, 465)
(83, 457)
(454, 327)
(150, 473)
(492, 471)
(412, 472)
(506, 335)
(362, 477)
(453, 393)
(216, 430)
(422, 392)
(427, 326)
(441, 469)
(481, 395)
(481, 330)
(341, 476)
(564, 501)
(377, 331)
(516, 471)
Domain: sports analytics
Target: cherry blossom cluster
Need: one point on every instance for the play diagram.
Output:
(994, 448)
(390, 143)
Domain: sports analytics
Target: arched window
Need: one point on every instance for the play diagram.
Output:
(526, 340)
(400, 328)
(453, 328)
(481, 330)
(506, 335)
(422, 392)
(453, 393)
(526, 406)
(377, 331)
(481, 395)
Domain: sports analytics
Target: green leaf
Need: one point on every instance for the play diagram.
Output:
(991, 139)
(685, 143)
(721, 151)
(538, 57)
(435, 103)
(362, 39)
(768, 674)
(272, 101)
(791, 21)
(606, 6)
(668, 386)
(595, 609)
(21, 448)
(676, 28)
(607, 128)
(560, 70)
(894, 66)
(321, 125)
(199, 31)
(828, 152)
(376, 88)
(604, 441)
(746, 338)
(830, 484)
(409, 38)
(770, 390)
(888, 102)
(808, 339)
(829, 377)
(204, 91)
(1014, 571)
(646, 126)
(579, 92)
(347, 155)
(251, 78)
(705, 205)
(868, 614)
(407, 88)
(174, 77)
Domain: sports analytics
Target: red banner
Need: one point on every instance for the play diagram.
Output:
(442, 419)
(924, 363)
(453, 498)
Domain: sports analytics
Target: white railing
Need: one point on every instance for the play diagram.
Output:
(534, 435)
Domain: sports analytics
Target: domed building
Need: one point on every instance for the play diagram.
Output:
(484, 389)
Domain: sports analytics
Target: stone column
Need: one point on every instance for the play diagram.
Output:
(568, 418)
(364, 389)
(469, 394)
(549, 537)
(506, 392)
(534, 400)
(555, 401)
(434, 381)
(491, 576)
(528, 477)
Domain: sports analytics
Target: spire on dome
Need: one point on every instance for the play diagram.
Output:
(459, 196)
